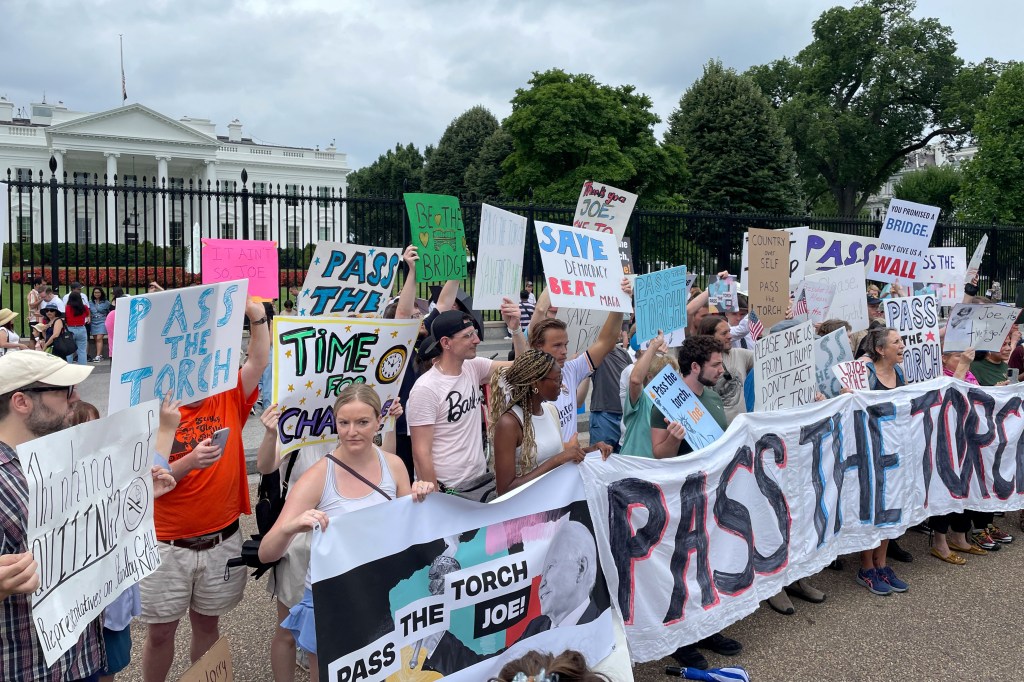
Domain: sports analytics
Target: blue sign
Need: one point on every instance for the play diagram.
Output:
(677, 402)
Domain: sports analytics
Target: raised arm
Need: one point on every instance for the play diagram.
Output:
(259, 346)
(510, 314)
(610, 332)
(407, 297)
(266, 454)
(540, 311)
(643, 365)
(449, 292)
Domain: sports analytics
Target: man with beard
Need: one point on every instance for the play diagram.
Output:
(737, 362)
(700, 363)
(37, 392)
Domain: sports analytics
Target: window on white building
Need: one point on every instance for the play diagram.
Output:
(130, 180)
(24, 229)
(176, 233)
(291, 191)
(324, 193)
(23, 174)
(227, 230)
(176, 183)
(258, 190)
(294, 233)
(259, 225)
(81, 177)
(228, 185)
(83, 231)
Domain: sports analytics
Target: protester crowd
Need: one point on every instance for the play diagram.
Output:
(467, 426)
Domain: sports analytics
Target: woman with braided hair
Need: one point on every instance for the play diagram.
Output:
(524, 428)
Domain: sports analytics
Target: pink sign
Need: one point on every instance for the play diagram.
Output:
(225, 260)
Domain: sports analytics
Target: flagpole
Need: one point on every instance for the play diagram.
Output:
(124, 90)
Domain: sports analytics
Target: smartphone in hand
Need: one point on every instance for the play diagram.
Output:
(220, 438)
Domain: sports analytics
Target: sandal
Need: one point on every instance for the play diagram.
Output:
(951, 558)
(969, 549)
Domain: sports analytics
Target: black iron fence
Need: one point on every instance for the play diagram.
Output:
(118, 231)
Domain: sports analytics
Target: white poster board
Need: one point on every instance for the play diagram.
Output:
(582, 268)
(784, 369)
(916, 318)
(906, 232)
(499, 260)
(583, 327)
(850, 302)
(348, 280)
(981, 327)
(186, 341)
(816, 298)
(945, 269)
(603, 208)
(90, 519)
(314, 358)
(852, 374)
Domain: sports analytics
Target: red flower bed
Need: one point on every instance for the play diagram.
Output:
(102, 276)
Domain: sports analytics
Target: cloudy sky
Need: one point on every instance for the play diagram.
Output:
(370, 74)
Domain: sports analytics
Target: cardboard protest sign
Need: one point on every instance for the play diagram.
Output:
(453, 588)
(916, 318)
(348, 280)
(677, 402)
(214, 666)
(314, 358)
(813, 300)
(660, 302)
(828, 250)
(225, 260)
(692, 544)
(784, 369)
(435, 221)
(850, 301)
(975, 263)
(945, 269)
(722, 295)
(626, 256)
(829, 351)
(90, 519)
(906, 232)
(583, 327)
(981, 327)
(768, 288)
(499, 260)
(852, 374)
(185, 341)
(797, 256)
(603, 208)
(582, 268)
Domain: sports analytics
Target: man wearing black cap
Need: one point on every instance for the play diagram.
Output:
(37, 393)
(444, 408)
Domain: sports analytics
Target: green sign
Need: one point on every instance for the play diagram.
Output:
(435, 221)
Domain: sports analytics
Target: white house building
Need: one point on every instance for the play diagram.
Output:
(133, 143)
(935, 154)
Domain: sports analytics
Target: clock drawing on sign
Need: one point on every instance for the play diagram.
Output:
(136, 501)
(390, 365)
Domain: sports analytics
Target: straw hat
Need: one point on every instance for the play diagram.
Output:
(6, 315)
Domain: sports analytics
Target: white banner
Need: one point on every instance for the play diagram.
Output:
(692, 544)
(314, 358)
(499, 260)
(408, 590)
(784, 369)
(916, 318)
(582, 268)
(603, 208)
(90, 519)
(850, 302)
(348, 280)
(186, 341)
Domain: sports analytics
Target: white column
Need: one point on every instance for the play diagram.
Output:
(161, 182)
(110, 219)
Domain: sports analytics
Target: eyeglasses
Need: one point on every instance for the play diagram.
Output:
(46, 389)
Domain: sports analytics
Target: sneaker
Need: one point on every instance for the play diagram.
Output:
(999, 535)
(302, 658)
(871, 580)
(982, 539)
(894, 551)
(889, 577)
(98, 358)
(721, 645)
(688, 657)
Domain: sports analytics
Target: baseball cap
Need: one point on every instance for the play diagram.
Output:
(427, 349)
(450, 323)
(872, 300)
(26, 367)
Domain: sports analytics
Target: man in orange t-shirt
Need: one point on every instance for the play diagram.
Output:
(197, 522)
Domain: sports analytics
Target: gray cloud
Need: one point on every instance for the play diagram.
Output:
(372, 74)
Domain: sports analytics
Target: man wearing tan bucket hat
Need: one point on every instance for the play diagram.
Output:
(37, 393)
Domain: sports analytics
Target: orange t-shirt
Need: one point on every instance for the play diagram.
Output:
(207, 500)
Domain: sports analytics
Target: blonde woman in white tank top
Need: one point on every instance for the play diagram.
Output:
(327, 490)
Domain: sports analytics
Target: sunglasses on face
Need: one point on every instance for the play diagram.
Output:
(69, 390)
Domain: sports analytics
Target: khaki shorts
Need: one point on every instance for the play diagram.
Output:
(197, 580)
(288, 579)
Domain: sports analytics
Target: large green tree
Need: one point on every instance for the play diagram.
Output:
(993, 190)
(874, 85)
(568, 128)
(397, 170)
(737, 153)
(460, 145)
(484, 174)
(934, 186)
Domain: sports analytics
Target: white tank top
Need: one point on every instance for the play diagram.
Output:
(547, 433)
(12, 337)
